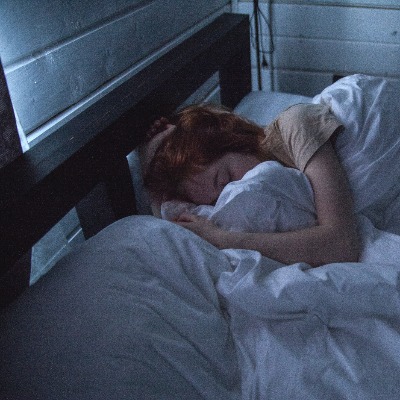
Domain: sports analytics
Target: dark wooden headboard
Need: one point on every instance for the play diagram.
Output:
(42, 185)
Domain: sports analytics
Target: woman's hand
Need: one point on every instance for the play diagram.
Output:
(158, 126)
(160, 129)
(202, 227)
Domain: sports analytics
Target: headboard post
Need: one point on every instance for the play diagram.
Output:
(110, 200)
(235, 75)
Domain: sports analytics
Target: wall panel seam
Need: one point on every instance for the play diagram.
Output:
(45, 51)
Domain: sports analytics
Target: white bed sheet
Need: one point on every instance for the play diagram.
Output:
(331, 332)
(161, 314)
(325, 333)
(132, 314)
(148, 310)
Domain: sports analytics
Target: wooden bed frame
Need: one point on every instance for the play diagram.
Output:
(84, 162)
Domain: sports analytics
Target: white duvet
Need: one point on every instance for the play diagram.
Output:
(332, 332)
(148, 310)
(269, 198)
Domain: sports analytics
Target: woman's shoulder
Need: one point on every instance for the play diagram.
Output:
(307, 114)
(300, 130)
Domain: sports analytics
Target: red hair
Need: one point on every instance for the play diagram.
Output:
(204, 133)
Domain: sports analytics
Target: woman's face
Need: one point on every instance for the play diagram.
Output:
(205, 186)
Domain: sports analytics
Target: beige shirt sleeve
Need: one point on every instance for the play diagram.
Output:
(298, 132)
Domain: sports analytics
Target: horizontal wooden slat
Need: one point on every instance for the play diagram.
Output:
(294, 81)
(30, 27)
(71, 63)
(338, 23)
(302, 82)
(332, 55)
(348, 3)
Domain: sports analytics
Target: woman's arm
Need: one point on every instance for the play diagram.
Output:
(334, 239)
(157, 133)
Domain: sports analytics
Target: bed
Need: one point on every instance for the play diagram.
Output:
(145, 309)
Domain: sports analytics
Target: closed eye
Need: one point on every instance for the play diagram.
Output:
(216, 180)
(222, 179)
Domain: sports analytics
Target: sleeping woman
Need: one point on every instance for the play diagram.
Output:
(207, 147)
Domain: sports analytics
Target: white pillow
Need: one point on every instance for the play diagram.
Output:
(369, 148)
(263, 107)
(269, 198)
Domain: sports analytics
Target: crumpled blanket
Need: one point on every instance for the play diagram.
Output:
(269, 198)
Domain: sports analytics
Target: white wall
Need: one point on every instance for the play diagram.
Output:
(315, 40)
